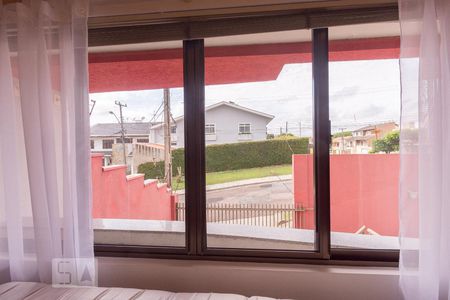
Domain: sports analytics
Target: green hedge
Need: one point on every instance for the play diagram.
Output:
(235, 156)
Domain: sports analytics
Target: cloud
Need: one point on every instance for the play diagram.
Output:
(360, 92)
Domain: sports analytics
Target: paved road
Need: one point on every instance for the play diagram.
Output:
(278, 192)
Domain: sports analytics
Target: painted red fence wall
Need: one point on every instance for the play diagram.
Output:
(364, 191)
(118, 196)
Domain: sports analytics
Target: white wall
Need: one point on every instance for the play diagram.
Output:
(98, 143)
(274, 280)
(226, 120)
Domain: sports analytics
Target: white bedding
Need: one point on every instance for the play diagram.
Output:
(34, 291)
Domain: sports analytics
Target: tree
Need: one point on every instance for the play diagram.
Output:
(390, 143)
(342, 133)
(285, 136)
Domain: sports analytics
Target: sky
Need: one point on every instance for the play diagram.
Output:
(361, 93)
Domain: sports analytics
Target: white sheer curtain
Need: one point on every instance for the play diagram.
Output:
(425, 149)
(45, 183)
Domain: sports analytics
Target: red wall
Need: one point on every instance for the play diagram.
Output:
(118, 196)
(364, 191)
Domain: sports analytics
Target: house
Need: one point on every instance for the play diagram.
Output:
(225, 122)
(105, 135)
(360, 141)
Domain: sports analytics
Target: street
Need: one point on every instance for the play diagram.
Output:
(276, 192)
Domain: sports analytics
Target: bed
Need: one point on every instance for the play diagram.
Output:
(41, 291)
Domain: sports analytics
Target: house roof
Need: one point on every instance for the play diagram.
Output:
(229, 104)
(113, 129)
(371, 127)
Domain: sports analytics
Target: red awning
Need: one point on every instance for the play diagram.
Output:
(155, 69)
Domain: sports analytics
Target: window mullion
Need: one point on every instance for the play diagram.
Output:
(194, 141)
(322, 134)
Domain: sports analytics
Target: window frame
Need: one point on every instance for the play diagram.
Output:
(127, 139)
(213, 125)
(244, 124)
(194, 124)
(104, 141)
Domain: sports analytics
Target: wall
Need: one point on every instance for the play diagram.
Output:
(143, 153)
(364, 191)
(227, 121)
(116, 195)
(288, 281)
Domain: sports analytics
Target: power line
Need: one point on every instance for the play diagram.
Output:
(156, 112)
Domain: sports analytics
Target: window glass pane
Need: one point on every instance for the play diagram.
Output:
(365, 114)
(244, 129)
(210, 129)
(259, 96)
(137, 96)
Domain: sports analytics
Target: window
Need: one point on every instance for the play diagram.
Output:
(126, 140)
(364, 184)
(173, 129)
(251, 202)
(294, 206)
(92, 144)
(107, 144)
(244, 128)
(141, 83)
(210, 129)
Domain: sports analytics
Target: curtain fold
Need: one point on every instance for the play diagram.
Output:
(425, 149)
(45, 183)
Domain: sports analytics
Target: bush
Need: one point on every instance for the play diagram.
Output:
(390, 143)
(235, 156)
(156, 169)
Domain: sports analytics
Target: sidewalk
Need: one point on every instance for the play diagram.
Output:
(240, 183)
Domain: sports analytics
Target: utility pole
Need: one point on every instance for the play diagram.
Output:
(122, 131)
(342, 139)
(300, 129)
(167, 144)
(286, 127)
(281, 130)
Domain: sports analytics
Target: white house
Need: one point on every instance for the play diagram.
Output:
(104, 135)
(225, 122)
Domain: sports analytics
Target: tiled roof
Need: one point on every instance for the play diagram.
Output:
(113, 129)
(371, 127)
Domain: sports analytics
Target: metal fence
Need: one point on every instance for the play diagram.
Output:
(265, 215)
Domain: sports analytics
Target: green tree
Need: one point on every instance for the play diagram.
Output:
(342, 133)
(390, 143)
(285, 136)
